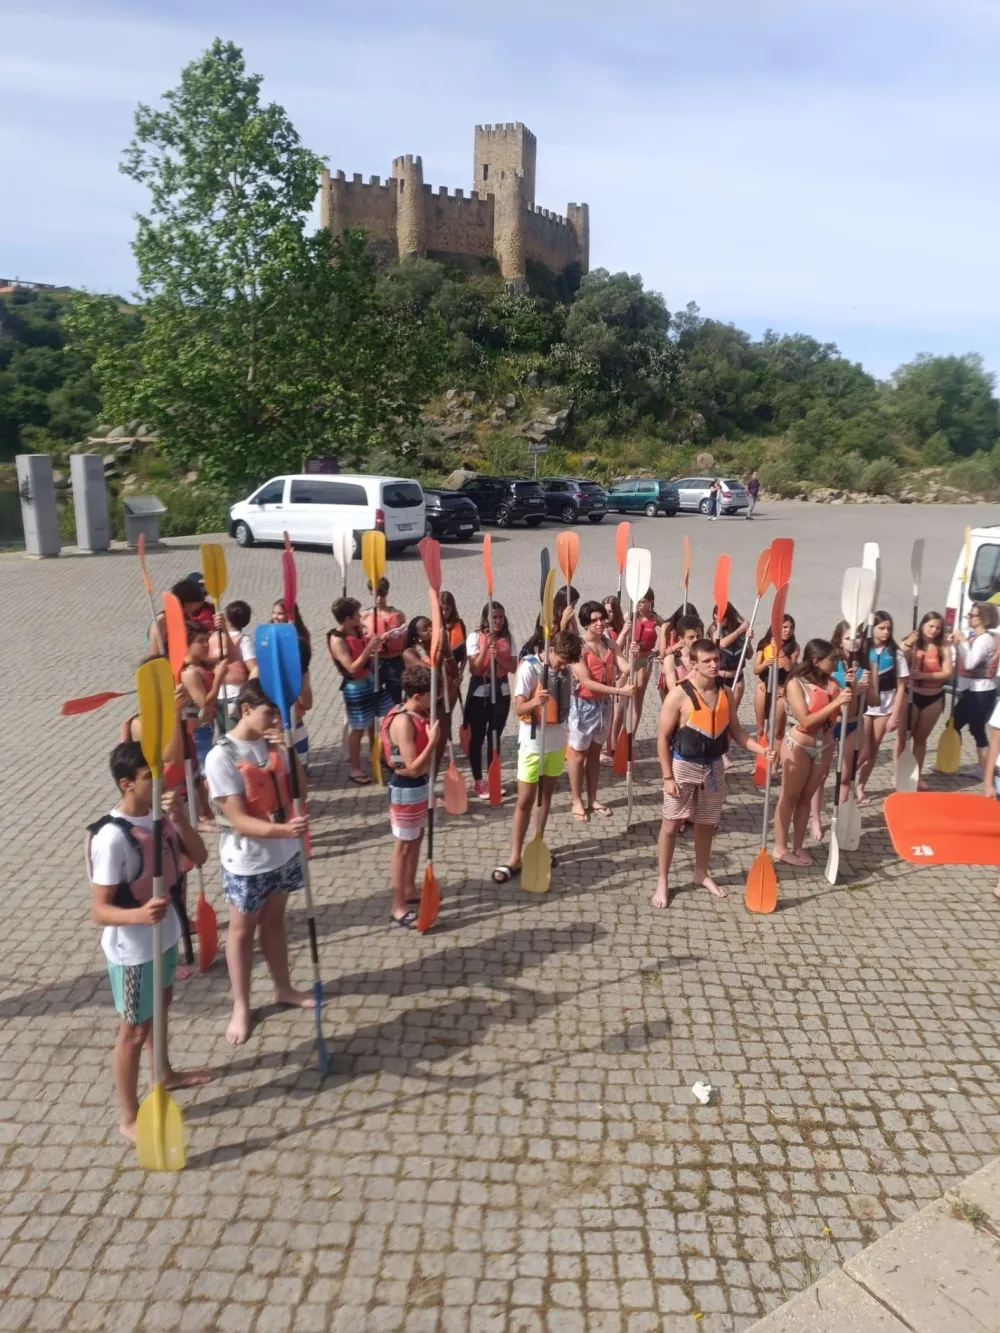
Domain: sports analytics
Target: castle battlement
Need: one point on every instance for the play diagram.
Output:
(406, 218)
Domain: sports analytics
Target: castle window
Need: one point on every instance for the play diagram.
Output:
(402, 186)
(486, 171)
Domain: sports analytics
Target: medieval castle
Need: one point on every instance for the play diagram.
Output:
(405, 219)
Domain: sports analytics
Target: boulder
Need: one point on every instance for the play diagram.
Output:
(455, 479)
(59, 480)
(498, 416)
(146, 432)
(451, 395)
(132, 428)
(468, 414)
(532, 379)
(117, 433)
(101, 432)
(125, 450)
(510, 401)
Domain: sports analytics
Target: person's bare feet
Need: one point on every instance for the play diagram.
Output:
(579, 813)
(806, 858)
(707, 882)
(815, 829)
(789, 858)
(128, 1130)
(186, 1078)
(239, 1027)
(661, 898)
(183, 972)
(295, 999)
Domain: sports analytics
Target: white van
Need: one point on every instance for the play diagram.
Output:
(309, 506)
(984, 576)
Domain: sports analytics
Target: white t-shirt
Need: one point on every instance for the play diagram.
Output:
(239, 854)
(248, 653)
(114, 862)
(976, 653)
(473, 649)
(528, 677)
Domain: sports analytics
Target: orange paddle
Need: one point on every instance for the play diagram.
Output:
(430, 892)
(687, 570)
(147, 583)
(762, 579)
(944, 828)
(720, 588)
(762, 883)
(494, 786)
(568, 556)
(621, 551)
(780, 565)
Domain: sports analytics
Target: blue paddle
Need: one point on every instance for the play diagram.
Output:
(280, 665)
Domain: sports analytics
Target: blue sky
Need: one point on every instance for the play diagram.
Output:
(824, 166)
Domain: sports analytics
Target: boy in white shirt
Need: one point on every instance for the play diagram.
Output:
(248, 783)
(120, 867)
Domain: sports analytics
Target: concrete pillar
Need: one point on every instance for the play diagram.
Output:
(90, 502)
(39, 514)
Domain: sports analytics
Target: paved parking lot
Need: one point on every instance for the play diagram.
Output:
(512, 1144)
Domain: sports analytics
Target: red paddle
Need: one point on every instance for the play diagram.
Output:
(91, 701)
(290, 578)
(687, 570)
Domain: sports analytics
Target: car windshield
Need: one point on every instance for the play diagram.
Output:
(401, 495)
(589, 486)
(733, 485)
(527, 488)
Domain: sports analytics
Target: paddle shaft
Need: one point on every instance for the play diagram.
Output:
(770, 746)
(746, 643)
(541, 739)
(432, 769)
(491, 649)
(192, 800)
(159, 1007)
(293, 779)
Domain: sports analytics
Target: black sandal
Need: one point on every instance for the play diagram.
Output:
(408, 921)
(359, 781)
(504, 874)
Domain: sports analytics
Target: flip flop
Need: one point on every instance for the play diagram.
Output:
(505, 873)
(408, 921)
(361, 781)
(582, 815)
(598, 809)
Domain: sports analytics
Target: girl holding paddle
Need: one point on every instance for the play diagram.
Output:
(203, 683)
(890, 673)
(730, 636)
(932, 663)
(638, 641)
(788, 655)
(351, 653)
(390, 622)
(813, 699)
(599, 667)
(418, 653)
(847, 650)
(491, 641)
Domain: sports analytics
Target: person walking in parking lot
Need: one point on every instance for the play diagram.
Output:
(714, 499)
(753, 490)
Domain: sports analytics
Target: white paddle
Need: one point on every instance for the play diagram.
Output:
(343, 551)
(849, 816)
(638, 574)
(855, 595)
(907, 772)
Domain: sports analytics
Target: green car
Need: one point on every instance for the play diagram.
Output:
(642, 496)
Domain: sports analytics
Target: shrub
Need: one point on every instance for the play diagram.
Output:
(937, 451)
(974, 474)
(781, 477)
(882, 477)
(845, 471)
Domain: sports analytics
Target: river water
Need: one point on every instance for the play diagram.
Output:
(11, 532)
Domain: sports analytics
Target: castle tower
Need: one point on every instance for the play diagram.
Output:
(411, 217)
(502, 151)
(331, 202)
(578, 217)
(509, 213)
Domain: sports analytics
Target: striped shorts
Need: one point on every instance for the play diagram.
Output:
(701, 792)
(359, 702)
(408, 810)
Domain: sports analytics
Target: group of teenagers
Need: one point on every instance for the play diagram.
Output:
(589, 678)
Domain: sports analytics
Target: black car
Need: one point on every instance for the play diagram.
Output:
(571, 499)
(504, 500)
(450, 514)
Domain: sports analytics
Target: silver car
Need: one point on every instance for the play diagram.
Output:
(694, 494)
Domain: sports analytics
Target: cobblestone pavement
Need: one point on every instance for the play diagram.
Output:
(513, 1144)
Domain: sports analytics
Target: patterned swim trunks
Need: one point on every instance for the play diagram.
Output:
(701, 792)
(132, 987)
(248, 893)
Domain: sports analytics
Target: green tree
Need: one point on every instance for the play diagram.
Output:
(950, 395)
(260, 343)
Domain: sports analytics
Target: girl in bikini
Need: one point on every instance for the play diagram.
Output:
(594, 687)
(847, 649)
(931, 662)
(418, 653)
(454, 651)
(638, 641)
(614, 623)
(890, 673)
(813, 700)
(352, 655)
(788, 656)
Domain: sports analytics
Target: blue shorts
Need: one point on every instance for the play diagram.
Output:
(132, 987)
(203, 737)
(248, 893)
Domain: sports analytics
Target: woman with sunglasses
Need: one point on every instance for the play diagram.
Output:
(976, 664)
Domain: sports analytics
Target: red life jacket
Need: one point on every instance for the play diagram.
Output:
(644, 635)
(604, 672)
(135, 892)
(266, 789)
(421, 732)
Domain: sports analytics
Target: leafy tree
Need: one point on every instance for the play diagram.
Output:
(950, 395)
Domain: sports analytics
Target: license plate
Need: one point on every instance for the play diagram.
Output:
(406, 527)
(465, 527)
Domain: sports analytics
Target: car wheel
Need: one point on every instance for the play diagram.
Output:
(568, 514)
(670, 513)
(428, 528)
(502, 517)
(243, 535)
(703, 507)
(595, 518)
(533, 522)
(650, 511)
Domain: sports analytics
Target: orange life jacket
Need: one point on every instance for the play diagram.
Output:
(704, 737)
(266, 788)
(603, 671)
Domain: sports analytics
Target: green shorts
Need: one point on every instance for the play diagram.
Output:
(132, 987)
(527, 764)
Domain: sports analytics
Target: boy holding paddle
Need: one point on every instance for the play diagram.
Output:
(697, 721)
(248, 782)
(120, 867)
(408, 744)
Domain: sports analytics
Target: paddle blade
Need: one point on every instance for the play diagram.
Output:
(687, 562)
(176, 628)
(159, 1132)
(154, 683)
(546, 565)
(907, 773)
(832, 857)
(848, 825)
(965, 554)
(430, 900)
(343, 546)
(621, 544)
(373, 556)
(917, 565)
(494, 787)
(377, 763)
(782, 550)
(465, 737)
(289, 578)
(778, 616)
(536, 867)
(207, 924)
(619, 765)
(568, 554)
(945, 829)
(720, 587)
(430, 554)
(436, 627)
(949, 750)
(762, 576)
(213, 570)
(638, 573)
(456, 798)
(488, 564)
(89, 702)
(762, 885)
(760, 767)
(872, 559)
(279, 662)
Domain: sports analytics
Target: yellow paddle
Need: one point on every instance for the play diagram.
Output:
(213, 573)
(536, 864)
(159, 1130)
(373, 561)
(949, 751)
